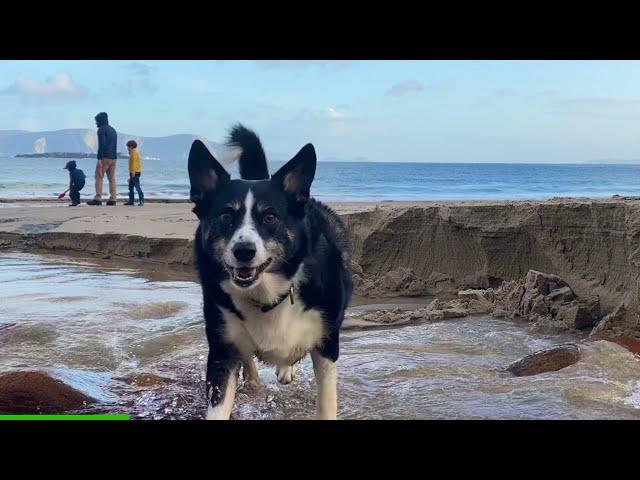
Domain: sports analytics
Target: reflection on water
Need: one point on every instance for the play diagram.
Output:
(138, 346)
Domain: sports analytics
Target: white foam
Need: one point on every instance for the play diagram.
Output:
(633, 399)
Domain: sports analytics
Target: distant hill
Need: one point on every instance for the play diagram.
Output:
(85, 140)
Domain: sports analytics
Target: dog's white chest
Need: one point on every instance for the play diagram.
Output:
(281, 336)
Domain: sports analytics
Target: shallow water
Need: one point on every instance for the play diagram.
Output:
(94, 327)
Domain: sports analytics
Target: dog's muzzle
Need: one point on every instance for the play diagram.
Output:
(246, 276)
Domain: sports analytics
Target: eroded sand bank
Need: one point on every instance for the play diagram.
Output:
(400, 248)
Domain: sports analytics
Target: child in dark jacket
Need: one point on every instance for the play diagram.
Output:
(76, 182)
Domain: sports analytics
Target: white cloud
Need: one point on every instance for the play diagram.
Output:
(405, 88)
(333, 113)
(133, 85)
(58, 88)
(138, 82)
(327, 114)
(140, 68)
(303, 64)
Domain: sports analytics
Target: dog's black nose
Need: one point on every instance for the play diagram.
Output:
(244, 251)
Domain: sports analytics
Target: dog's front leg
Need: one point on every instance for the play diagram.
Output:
(326, 380)
(222, 379)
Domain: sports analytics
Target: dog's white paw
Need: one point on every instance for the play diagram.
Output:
(286, 374)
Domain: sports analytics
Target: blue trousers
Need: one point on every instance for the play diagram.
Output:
(134, 182)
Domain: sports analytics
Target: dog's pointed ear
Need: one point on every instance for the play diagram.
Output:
(205, 172)
(296, 175)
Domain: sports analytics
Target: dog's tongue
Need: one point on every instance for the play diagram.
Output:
(245, 272)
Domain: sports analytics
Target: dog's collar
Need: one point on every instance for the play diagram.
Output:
(271, 306)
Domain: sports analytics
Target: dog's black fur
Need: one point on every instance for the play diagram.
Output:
(308, 236)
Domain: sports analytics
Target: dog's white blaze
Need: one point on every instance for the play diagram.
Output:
(326, 379)
(247, 233)
(222, 411)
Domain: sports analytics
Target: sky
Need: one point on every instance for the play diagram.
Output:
(407, 111)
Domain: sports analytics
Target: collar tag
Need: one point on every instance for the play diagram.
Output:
(291, 293)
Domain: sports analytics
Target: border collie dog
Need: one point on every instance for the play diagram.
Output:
(275, 270)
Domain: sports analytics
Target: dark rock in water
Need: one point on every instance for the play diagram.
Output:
(37, 392)
(546, 361)
(630, 343)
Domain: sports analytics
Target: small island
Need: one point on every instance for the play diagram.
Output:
(62, 155)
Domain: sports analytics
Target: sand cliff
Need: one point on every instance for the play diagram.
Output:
(440, 249)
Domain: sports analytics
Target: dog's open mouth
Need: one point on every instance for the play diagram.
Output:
(247, 276)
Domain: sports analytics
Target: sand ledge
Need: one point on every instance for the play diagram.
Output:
(400, 248)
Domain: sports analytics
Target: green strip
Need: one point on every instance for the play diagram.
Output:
(64, 417)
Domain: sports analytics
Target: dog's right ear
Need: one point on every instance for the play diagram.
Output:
(205, 172)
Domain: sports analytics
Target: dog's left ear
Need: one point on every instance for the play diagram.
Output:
(205, 172)
(296, 175)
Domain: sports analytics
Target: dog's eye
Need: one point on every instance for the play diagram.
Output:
(225, 217)
(270, 218)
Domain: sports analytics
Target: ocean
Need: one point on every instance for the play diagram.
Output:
(25, 178)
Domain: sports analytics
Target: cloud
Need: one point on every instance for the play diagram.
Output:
(333, 113)
(327, 114)
(140, 68)
(59, 88)
(133, 86)
(304, 64)
(139, 81)
(405, 88)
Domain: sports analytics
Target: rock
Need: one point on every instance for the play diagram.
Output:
(563, 294)
(469, 295)
(499, 313)
(547, 301)
(575, 316)
(356, 269)
(454, 312)
(549, 360)
(630, 343)
(37, 392)
(617, 323)
(477, 307)
(539, 306)
(402, 281)
(490, 295)
(543, 283)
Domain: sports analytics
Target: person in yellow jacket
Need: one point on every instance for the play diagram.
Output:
(135, 169)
